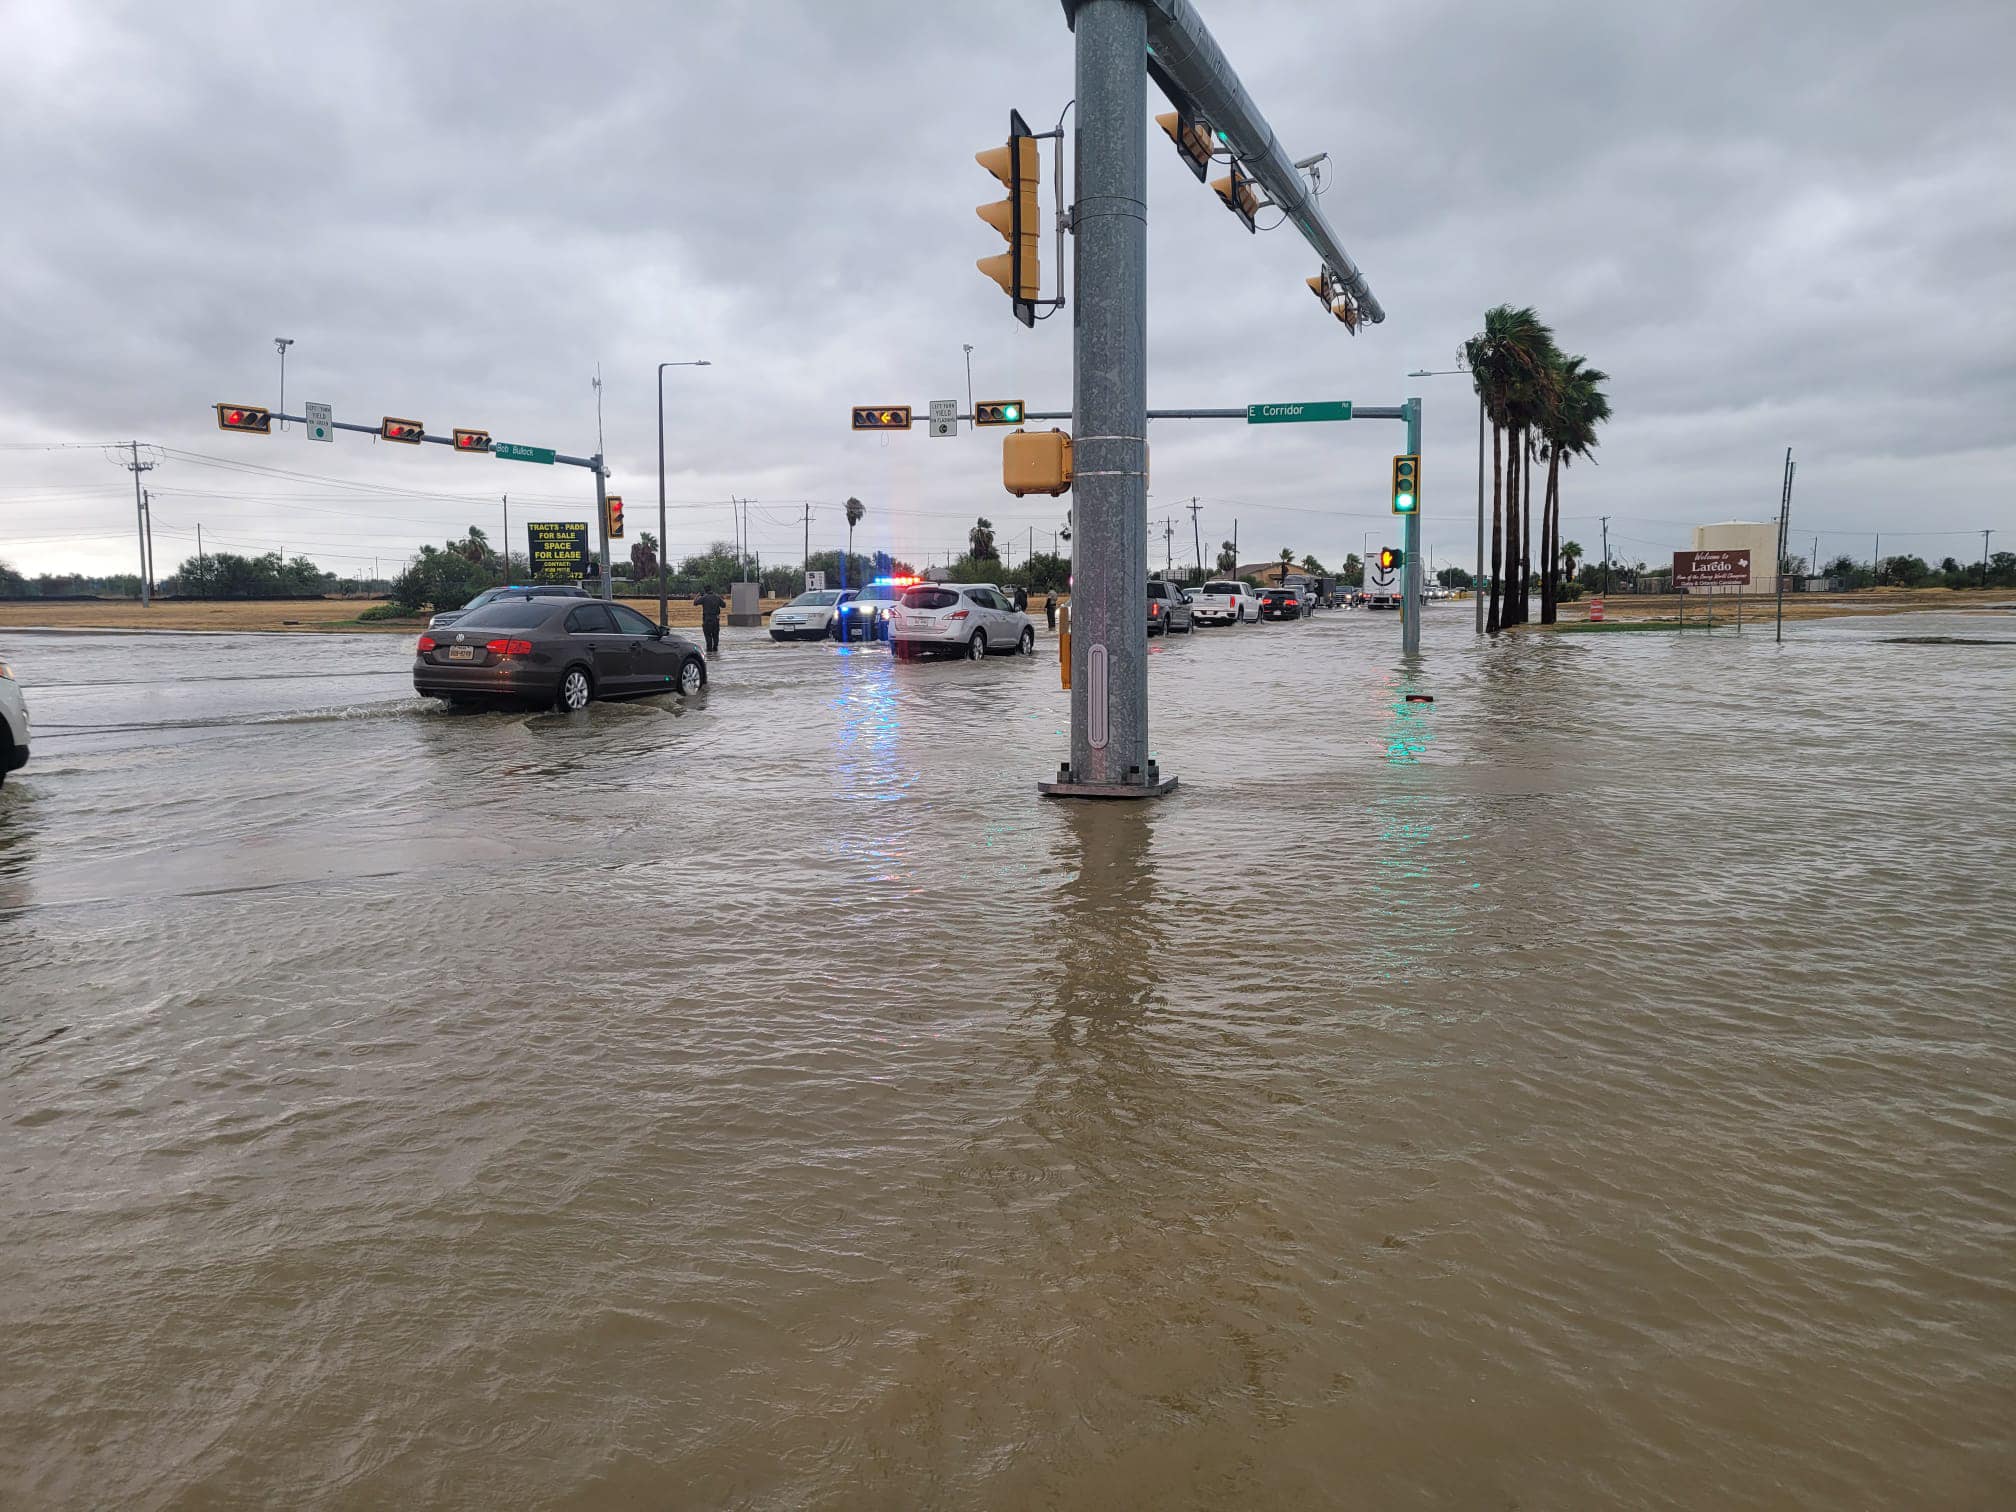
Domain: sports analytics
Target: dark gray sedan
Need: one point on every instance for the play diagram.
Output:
(561, 652)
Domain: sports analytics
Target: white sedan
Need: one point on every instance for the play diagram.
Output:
(1225, 601)
(810, 616)
(962, 619)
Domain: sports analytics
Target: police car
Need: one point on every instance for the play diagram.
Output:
(866, 617)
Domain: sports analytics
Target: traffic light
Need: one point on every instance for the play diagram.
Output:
(1036, 462)
(1192, 138)
(1019, 167)
(408, 431)
(881, 417)
(998, 412)
(615, 517)
(472, 440)
(1330, 294)
(245, 417)
(1390, 557)
(1406, 485)
(1240, 197)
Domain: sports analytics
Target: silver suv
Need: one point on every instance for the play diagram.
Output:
(1168, 609)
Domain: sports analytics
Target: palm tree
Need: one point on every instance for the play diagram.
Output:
(855, 509)
(1571, 557)
(1506, 359)
(981, 540)
(1287, 561)
(1228, 557)
(1313, 567)
(1575, 405)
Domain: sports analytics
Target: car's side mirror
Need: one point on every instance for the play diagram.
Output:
(657, 632)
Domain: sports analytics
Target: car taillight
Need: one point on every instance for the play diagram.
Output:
(1154, 611)
(958, 614)
(509, 648)
(427, 643)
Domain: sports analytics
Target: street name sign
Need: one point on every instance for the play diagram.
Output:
(558, 548)
(944, 417)
(1313, 409)
(511, 451)
(321, 421)
(1711, 569)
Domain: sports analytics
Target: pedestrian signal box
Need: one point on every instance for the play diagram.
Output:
(1390, 557)
(1037, 462)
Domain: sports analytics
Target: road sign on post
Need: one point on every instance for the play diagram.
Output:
(944, 417)
(1711, 569)
(557, 549)
(1282, 414)
(321, 421)
(511, 451)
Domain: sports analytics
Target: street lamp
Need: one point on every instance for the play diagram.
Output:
(664, 620)
(280, 344)
(1475, 591)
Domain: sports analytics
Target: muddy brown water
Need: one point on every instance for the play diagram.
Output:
(1594, 1089)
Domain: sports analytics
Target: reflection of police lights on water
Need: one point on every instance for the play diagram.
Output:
(866, 616)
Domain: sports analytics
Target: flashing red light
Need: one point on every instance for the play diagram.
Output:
(508, 647)
(427, 643)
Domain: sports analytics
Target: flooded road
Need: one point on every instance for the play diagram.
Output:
(1596, 1088)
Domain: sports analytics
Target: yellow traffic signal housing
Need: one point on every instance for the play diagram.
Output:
(1240, 197)
(1019, 167)
(408, 431)
(472, 440)
(881, 417)
(1330, 294)
(615, 517)
(1036, 462)
(1192, 138)
(1407, 485)
(998, 412)
(245, 417)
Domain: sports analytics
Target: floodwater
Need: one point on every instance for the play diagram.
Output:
(1594, 1089)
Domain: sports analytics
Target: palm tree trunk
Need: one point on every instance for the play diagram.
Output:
(1526, 532)
(1551, 539)
(1514, 585)
(1491, 619)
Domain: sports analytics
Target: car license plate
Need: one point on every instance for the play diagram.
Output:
(461, 653)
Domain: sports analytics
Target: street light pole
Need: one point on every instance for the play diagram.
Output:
(281, 343)
(664, 621)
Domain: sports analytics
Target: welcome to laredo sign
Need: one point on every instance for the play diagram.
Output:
(1711, 569)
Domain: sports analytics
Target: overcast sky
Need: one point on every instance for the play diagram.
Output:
(1781, 224)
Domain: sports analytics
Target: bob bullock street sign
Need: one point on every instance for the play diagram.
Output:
(1711, 569)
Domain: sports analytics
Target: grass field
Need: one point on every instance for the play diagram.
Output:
(252, 614)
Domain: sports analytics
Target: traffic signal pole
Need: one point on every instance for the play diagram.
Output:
(1410, 573)
(1109, 611)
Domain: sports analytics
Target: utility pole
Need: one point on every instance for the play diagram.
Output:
(1168, 547)
(1784, 531)
(137, 467)
(147, 515)
(1984, 557)
(808, 542)
(1235, 546)
(202, 571)
(1876, 559)
(1606, 553)
(602, 509)
(507, 538)
(1196, 535)
(967, 348)
(1410, 562)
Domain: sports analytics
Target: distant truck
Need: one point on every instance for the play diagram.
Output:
(1380, 586)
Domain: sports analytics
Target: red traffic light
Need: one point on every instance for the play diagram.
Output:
(615, 517)
(245, 417)
(472, 440)
(409, 431)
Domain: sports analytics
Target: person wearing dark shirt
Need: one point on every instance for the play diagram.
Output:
(711, 604)
(1050, 609)
(1022, 598)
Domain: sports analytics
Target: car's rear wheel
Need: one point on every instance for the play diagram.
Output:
(576, 689)
(976, 648)
(692, 675)
(1027, 645)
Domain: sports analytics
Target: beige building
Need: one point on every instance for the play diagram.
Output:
(1761, 541)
